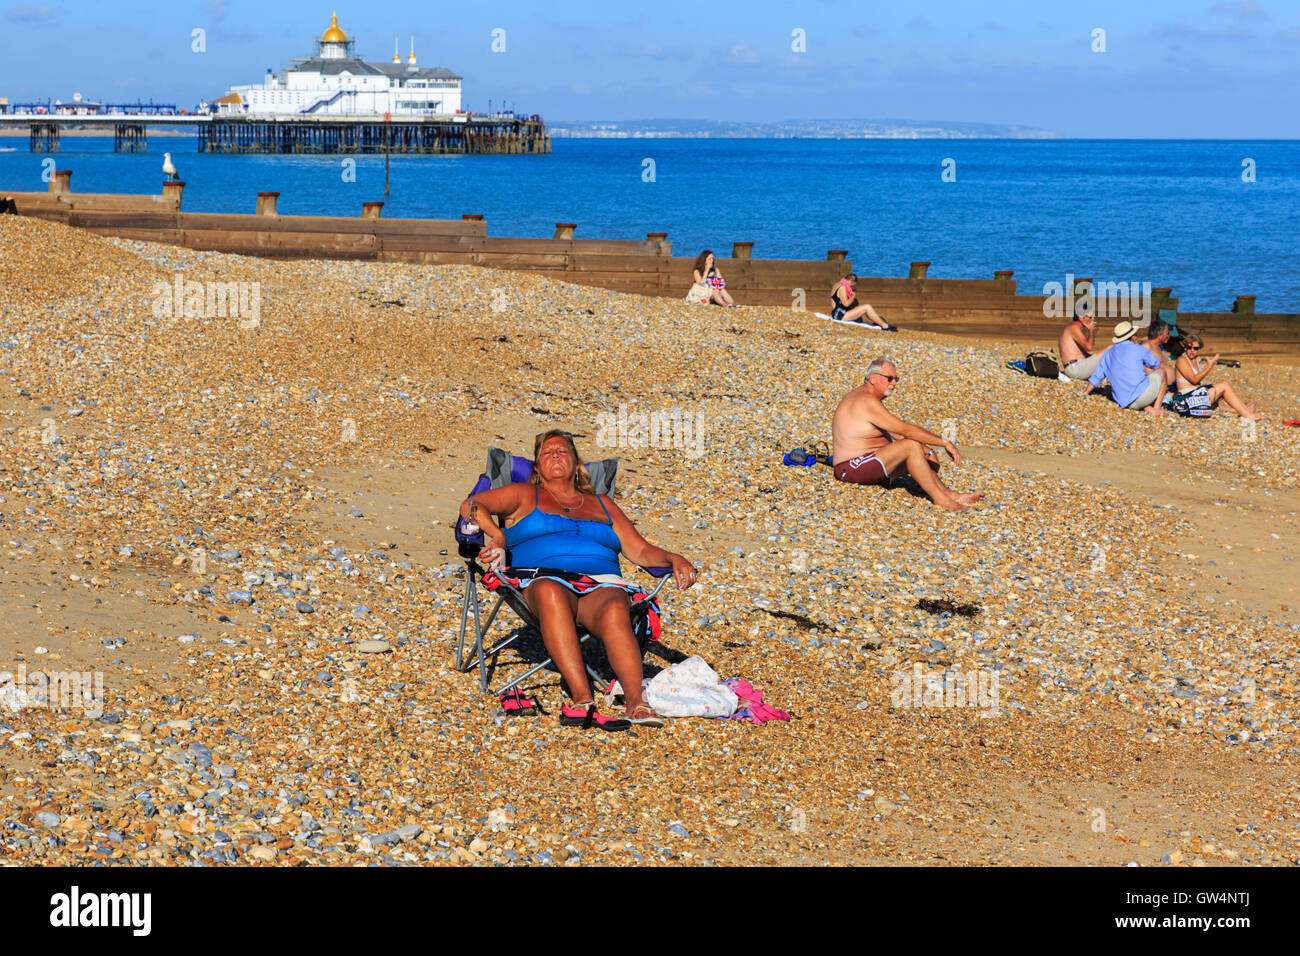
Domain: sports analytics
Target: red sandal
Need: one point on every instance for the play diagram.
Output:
(584, 715)
(518, 704)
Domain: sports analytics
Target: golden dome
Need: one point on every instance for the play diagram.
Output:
(334, 34)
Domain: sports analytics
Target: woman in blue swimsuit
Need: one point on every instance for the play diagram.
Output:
(558, 524)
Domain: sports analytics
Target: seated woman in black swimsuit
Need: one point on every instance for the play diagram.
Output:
(845, 306)
(557, 521)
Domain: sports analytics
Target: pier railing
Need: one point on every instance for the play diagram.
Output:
(986, 308)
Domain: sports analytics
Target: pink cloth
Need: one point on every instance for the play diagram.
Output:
(751, 703)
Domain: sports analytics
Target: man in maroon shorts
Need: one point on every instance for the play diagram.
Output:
(871, 446)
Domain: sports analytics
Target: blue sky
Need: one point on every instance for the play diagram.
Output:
(1170, 69)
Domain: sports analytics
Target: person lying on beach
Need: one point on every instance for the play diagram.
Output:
(701, 291)
(845, 307)
(1191, 372)
(719, 286)
(569, 537)
(872, 446)
(1079, 356)
(1125, 365)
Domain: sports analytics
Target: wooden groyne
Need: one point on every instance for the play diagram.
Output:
(985, 308)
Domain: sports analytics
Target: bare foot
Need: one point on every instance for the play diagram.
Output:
(968, 497)
(951, 503)
(1155, 410)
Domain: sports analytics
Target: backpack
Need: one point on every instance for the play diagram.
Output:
(1041, 365)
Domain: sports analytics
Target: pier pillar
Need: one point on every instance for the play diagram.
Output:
(472, 216)
(564, 230)
(1004, 273)
(371, 210)
(836, 255)
(266, 204)
(1082, 287)
(660, 239)
(741, 250)
(129, 138)
(45, 138)
(918, 270)
(61, 181)
(174, 189)
(1245, 305)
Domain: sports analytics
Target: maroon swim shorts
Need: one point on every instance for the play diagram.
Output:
(863, 470)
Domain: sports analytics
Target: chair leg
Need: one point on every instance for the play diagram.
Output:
(464, 621)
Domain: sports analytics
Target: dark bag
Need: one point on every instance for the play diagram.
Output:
(1195, 403)
(1041, 365)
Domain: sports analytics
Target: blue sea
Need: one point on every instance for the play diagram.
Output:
(1175, 213)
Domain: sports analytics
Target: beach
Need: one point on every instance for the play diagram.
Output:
(179, 495)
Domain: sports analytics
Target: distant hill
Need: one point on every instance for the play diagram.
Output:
(793, 129)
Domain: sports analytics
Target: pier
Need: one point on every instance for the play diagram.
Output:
(463, 133)
(374, 134)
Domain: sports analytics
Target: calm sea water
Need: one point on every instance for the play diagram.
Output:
(1173, 213)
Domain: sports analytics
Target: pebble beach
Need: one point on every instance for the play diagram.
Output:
(245, 526)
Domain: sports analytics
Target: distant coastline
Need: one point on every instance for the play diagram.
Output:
(791, 129)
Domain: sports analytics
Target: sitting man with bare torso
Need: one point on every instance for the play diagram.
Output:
(872, 446)
(1079, 355)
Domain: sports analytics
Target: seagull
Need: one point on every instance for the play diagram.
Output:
(169, 168)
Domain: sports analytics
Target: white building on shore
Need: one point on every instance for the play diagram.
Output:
(335, 83)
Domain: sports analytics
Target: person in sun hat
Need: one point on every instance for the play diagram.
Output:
(1136, 378)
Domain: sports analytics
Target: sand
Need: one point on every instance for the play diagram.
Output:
(1132, 579)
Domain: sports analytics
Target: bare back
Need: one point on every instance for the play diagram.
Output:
(853, 432)
(1072, 344)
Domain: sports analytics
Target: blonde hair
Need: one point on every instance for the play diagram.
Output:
(581, 480)
(1192, 341)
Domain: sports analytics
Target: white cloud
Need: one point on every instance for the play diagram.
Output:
(32, 13)
(1241, 10)
(743, 53)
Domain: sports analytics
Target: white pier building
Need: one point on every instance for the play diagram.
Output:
(335, 82)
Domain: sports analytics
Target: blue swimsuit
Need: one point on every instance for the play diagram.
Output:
(578, 545)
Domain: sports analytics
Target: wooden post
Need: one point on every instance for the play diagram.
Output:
(60, 182)
(1082, 287)
(266, 204)
(371, 210)
(836, 255)
(660, 239)
(918, 270)
(741, 250)
(174, 189)
(564, 230)
(1245, 305)
(472, 216)
(1004, 273)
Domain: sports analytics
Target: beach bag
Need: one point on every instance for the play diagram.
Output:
(699, 294)
(1195, 403)
(1041, 365)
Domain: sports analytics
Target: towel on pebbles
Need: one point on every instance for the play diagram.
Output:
(689, 688)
